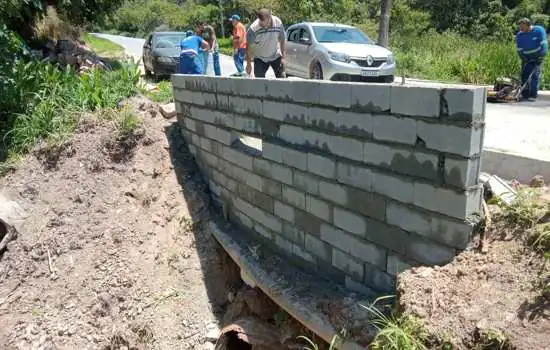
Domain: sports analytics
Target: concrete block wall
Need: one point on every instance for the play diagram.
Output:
(355, 182)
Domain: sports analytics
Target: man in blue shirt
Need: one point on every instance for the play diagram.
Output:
(190, 61)
(532, 47)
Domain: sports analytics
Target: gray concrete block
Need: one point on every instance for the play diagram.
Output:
(255, 213)
(190, 124)
(349, 244)
(185, 96)
(195, 139)
(277, 90)
(296, 113)
(237, 157)
(453, 233)
(265, 232)
(462, 172)
(335, 94)
(464, 103)
(284, 244)
(396, 187)
(347, 264)
(333, 192)
(379, 280)
(321, 117)
(248, 106)
(211, 160)
(305, 182)
(459, 204)
(256, 198)
(396, 264)
(355, 123)
(367, 203)
(224, 102)
(284, 155)
(224, 85)
(404, 161)
(371, 97)
(250, 87)
(218, 134)
(214, 188)
(274, 110)
(318, 248)
(384, 235)
(284, 211)
(304, 91)
(244, 220)
(346, 147)
(429, 252)
(272, 188)
(193, 150)
(273, 170)
(394, 129)
(421, 101)
(319, 208)
(307, 222)
(302, 254)
(354, 175)
(208, 100)
(294, 197)
(349, 221)
(249, 125)
(322, 166)
(293, 234)
(453, 139)
(179, 107)
(359, 287)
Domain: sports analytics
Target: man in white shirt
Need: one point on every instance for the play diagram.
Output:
(266, 45)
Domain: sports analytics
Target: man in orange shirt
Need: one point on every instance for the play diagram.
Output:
(239, 43)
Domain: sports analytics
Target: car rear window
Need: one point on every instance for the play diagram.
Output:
(340, 35)
(168, 40)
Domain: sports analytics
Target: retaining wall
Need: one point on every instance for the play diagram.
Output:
(355, 182)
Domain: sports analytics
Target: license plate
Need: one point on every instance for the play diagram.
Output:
(369, 73)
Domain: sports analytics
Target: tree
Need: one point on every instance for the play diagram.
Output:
(384, 29)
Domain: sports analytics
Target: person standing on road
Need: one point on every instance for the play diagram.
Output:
(208, 33)
(190, 61)
(239, 43)
(532, 47)
(266, 45)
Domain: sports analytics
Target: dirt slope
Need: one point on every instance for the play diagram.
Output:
(112, 255)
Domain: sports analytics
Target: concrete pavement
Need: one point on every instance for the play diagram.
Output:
(516, 142)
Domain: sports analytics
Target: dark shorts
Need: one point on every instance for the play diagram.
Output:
(261, 67)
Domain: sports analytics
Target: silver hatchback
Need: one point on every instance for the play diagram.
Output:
(336, 52)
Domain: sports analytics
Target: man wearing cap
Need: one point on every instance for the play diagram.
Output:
(266, 45)
(208, 33)
(532, 47)
(190, 61)
(239, 43)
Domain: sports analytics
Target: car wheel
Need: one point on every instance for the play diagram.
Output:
(317, 73)
(389, 79)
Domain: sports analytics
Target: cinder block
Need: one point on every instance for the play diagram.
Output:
(367, 203)
(211, 160)
(284, 155)
(296, 113)
(300, 136)
(304, 91)
(361, 250)
(256, 198)
(346, 147)
(395, 129)
(462, 172)
(323, 118)
(277, 90)
(193, 150)
(272, 188)
(335, 193)
(293, 234)
(453, 233)
(358, 287)
(396, 265)
(378, 279)
(464, 103)
(319, 208)
(396, 187)
(322, 166)
(318, 248)
(355, 123)
(371, 97)
(430, 253)
(283, 244)
(244, 176)
(284, 211)
(248, 106)
(250, 125)
(335, 94)
(274, 110)
(244, 220)
(273, 170)
(464, 141)
(305, 182)
(384, 235)
(185, 96)
(217, 134)
(259, 215)
(301, 253)
(294, 197)
(190, 124)
(354, 175)
(347, 264)
(308, 222)
(418, 101)
(262, 230)
(250, 87)
(236, 157)
(404, 161)
(459, 204)
(349, 221)
(214, 188)
(224, 85)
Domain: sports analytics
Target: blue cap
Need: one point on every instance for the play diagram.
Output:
(235, 17)
(189, 33)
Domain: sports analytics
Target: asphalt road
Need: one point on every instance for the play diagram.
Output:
(520, 128)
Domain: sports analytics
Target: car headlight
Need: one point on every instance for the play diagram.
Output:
(338, 56)
(390, 59)
(163, 59)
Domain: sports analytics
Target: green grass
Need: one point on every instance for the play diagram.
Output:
(226, 46)
(103, 47)
(163, 93)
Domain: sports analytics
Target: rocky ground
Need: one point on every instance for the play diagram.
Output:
(112, 253)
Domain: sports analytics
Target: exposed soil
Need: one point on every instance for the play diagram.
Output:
(113, 254)
(480, 297)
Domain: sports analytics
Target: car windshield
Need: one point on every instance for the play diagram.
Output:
(165, 41)
(333, 34)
